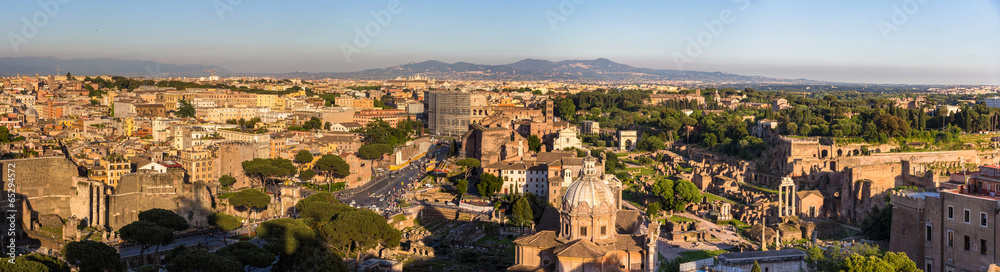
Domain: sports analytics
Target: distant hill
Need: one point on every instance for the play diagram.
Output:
(598, 70)
(12, 66)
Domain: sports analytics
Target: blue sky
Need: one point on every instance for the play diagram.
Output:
(940, 42)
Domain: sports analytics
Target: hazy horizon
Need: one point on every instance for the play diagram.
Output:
(902, 42)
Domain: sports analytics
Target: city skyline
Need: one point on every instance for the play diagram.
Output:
(913, 42)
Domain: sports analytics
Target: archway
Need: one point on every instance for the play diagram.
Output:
(823, 154)
(840, 152)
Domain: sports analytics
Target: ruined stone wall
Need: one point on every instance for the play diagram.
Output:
(45, 185)
(229, 159)
(142, 191)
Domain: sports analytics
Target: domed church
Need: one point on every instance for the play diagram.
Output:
(594, 233)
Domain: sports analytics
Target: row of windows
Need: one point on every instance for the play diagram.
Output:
(967, 216)
(967, 244)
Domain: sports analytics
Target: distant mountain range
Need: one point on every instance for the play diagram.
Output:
(598, 70)
(12, 66)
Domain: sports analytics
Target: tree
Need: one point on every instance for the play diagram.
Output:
(534, 144)
(565, 109)
(333, 165)
(461, 186)
(363, 229)
(522, 213)
(467, 165)
(792, 128)
(184, 110)
(284, 236)
(489, 184)
(454, 149)
(227, 180)
(664, 188)
(756, 267)
(37, 262)
(248, 254)
(165, 218)
(224, 222)
(197, 260)
(146, 234)
(92, 256)
(310, 259)
(859, 257)
(250, 199)
(686, 191)
(307, 174)
(374, 151)
(653, 209)
(878, 223)
(303, 157)
(263, 170)
(651, 143)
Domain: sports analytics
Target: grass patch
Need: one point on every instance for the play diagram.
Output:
(705, 254)
(711, 197)
(398, 217)
(737, 223)
(680, 219)
(772, 191)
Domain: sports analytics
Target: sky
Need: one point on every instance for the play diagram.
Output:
(865, 41)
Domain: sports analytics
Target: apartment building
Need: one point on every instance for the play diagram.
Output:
(950, 230)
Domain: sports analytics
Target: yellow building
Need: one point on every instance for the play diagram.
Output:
(129, 126)
(266, 100)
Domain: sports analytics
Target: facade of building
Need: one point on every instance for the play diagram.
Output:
(950, 230)
(589, 235)
(449, 112)
(566, 138)
(490, 145)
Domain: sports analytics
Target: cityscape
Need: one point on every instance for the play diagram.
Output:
(563, 135)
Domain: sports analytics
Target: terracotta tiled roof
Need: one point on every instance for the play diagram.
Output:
(580, 249)
(543, 239)
(625, 221)
(630, 243)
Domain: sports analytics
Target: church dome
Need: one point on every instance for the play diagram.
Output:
(589, 190)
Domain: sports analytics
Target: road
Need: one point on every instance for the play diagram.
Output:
(382, 193)
(213, 242)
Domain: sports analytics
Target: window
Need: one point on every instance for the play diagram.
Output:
(604, 230)
(967, 245)
(583, 231)
(951, 212)
(951, 238)
(982, 219)
(929, 268)
(928, 233)
(967, 216)
(982, 246)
